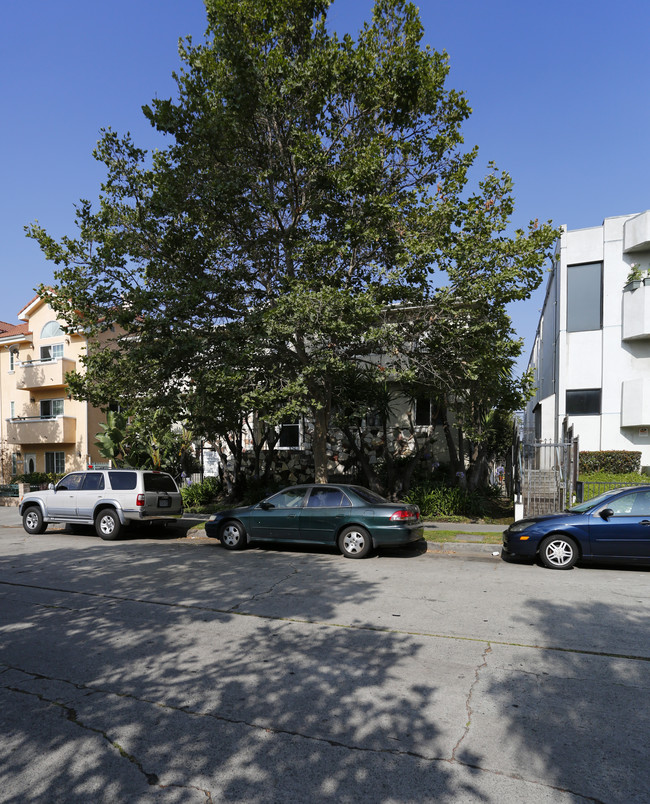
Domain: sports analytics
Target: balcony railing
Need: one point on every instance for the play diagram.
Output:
(635, 403)
(34, 374)
(636, 313)
(59, 430)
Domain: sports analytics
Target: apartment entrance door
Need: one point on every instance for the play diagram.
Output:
(30, 463)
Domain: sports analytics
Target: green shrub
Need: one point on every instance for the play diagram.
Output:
(197, 495)
(36, 478)
(612, 461)
(440, 500)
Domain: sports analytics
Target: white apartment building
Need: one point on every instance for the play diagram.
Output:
(591, 356)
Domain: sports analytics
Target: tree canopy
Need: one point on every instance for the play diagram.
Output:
(310, 184)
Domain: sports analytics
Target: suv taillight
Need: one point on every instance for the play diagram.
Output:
(140, 500)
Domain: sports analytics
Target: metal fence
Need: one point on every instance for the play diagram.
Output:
(587, 489)
(547, 475)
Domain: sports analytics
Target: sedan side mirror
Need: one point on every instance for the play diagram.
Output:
(51, 486)
(606, 513)
(266, 506)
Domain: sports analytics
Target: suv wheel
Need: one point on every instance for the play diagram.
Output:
(33, 520)
(107, 524)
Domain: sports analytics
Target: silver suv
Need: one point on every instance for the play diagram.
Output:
(109, 499)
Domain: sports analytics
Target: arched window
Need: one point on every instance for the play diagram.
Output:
(51, 330)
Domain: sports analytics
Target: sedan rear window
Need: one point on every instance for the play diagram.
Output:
(154, 481)
(123, 481)
(368, 496)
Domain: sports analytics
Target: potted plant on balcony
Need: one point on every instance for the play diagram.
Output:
(634, 278)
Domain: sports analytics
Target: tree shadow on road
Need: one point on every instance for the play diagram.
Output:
(576, 711)
(147, 669)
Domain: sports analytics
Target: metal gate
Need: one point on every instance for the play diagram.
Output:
(547, 475)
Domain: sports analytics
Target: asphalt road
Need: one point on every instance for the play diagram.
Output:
(163, 669)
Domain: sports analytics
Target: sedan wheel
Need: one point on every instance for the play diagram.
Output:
(355, 542)
(558, 552)
(233, 536)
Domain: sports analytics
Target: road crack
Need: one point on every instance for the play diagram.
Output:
(468, 703)
(72, 716)
(153, 778)
(273, 587)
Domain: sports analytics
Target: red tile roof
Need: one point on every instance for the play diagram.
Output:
(7, 330)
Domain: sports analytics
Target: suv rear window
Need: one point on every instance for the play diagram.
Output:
(159, 482)
(123, 481)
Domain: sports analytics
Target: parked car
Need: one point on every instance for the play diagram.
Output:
(615, 526)
(350, 517)
(109, 499)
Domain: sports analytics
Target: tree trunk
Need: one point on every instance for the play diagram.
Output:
(368, 472)
(454, 462)
(319, 444)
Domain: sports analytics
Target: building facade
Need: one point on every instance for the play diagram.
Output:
(591, 355)
(41, 428)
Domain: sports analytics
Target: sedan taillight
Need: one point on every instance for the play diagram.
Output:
(403, 515)
(139, 500)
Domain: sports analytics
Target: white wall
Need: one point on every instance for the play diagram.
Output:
(594, 359)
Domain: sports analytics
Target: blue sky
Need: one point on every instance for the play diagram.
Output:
(559, 92)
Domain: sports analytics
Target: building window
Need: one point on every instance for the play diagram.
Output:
(12, 359)
(55, 462)
(12, 410)
(585, 402)
(51, 408)
(427, 412)
(53, 352)
(289, 435)
(585, 297)
(14, 463)
(374, 419)
(51, 330)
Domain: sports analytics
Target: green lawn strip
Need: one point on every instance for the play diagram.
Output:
(452, 536)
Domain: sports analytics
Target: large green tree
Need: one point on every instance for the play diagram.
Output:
(306, 184)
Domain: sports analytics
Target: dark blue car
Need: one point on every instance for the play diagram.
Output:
(615, 526)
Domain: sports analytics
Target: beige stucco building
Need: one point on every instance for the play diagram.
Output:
(41, 428)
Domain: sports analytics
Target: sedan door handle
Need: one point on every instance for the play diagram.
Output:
(645, 522)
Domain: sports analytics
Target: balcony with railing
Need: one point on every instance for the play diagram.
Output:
(636, 312)
(41, 430)
(34, 374)
(635, 404)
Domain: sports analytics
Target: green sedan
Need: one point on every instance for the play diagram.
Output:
(350, 517)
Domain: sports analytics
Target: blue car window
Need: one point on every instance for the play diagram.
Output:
(623, 506)
(641, 505)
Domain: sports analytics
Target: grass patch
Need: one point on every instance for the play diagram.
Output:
(451, 536)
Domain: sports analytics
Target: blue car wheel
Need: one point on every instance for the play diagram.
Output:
(558, 552)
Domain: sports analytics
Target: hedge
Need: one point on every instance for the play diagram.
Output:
(614, 461)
